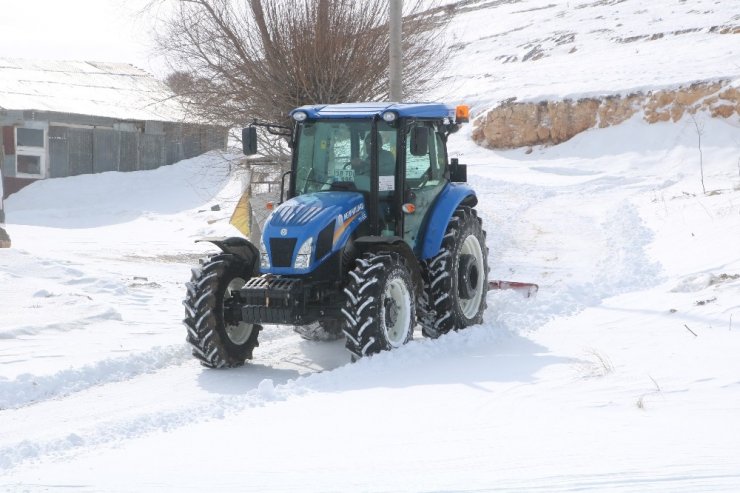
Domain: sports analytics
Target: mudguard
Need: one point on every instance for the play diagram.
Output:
(448, 200)
(237, 246)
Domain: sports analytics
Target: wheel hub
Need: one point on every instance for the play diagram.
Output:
(396, 312)
(237, 331)
(467, 276)
(391, 311)
(471, 273)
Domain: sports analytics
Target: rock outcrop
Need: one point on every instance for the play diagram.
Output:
(515, 124)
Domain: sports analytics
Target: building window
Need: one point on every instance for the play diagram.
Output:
(30, 152)
(28, 165)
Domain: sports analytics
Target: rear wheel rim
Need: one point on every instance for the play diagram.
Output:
(239, 332)
(396, 312)
(470, 306)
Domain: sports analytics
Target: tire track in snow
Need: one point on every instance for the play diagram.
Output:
(112, 431)
(105, 314)
(502, 206)
(505, 219)
(28, 389)
(606, 237)
(627, 266)
(276, 374)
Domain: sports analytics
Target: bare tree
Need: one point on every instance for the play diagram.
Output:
(234, 61)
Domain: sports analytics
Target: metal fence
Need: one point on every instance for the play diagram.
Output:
(264, 187)
(75, 151)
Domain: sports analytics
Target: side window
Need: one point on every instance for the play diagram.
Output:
(418, 166)
(441, 161)
(424, 181)
(386, 150)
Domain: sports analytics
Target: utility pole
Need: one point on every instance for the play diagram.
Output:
(395, 69)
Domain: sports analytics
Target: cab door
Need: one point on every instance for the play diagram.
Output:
(424, 180)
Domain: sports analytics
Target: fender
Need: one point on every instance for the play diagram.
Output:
(448, 200)
(237, 246)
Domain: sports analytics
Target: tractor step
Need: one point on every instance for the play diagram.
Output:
(528, 289)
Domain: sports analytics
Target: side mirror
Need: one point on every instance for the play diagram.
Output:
(420, 141)
(458, 172)
(249, 140)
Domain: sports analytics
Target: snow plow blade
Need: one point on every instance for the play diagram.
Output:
(528, 289)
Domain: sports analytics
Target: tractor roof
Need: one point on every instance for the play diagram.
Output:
(368, 110)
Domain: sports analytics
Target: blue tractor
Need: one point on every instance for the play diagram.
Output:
(379, 234)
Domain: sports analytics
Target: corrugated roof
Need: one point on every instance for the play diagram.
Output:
(115, 90)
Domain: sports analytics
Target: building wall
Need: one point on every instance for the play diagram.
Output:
(80, 144)
(2, 193)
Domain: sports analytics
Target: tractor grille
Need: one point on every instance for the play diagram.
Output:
(281, 251)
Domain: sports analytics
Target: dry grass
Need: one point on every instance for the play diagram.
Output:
(641, 401)
(596, 364)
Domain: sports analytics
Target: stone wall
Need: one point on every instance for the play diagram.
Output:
(515, 124)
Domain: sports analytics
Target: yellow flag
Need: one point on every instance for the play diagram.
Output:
(240, 217)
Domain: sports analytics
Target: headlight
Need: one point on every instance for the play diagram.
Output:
(389, 116)
(303, 259)
(300, 116)
(264, 257)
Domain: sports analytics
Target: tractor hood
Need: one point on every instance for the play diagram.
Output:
(304, 231)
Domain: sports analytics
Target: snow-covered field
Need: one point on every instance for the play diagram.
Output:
(545, 49)
(623, 374)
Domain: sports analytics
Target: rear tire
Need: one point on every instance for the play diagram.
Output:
(456, 279)
(217, 339)
(380, 308)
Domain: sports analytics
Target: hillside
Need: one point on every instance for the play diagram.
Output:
(536, 50)
(621, 375)
(540, 72)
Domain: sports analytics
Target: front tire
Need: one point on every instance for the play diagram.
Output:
(456, 279)
(218, 339)
(380, 308)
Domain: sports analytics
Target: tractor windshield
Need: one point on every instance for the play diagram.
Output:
(328, 152)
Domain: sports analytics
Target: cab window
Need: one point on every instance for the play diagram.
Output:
(424, 181)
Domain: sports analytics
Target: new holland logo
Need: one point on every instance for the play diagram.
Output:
(284, 232)
(344, 220)
(353, 211)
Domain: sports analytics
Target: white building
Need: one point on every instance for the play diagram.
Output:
(62, 118)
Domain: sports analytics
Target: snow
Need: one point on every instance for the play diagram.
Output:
(621, 375)
(115, 90)
(588, 48)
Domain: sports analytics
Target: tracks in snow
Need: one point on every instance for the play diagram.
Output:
(579, 257)
(101, 357)
(178, 392)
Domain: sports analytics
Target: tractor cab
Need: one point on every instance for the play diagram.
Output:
(373, 169)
